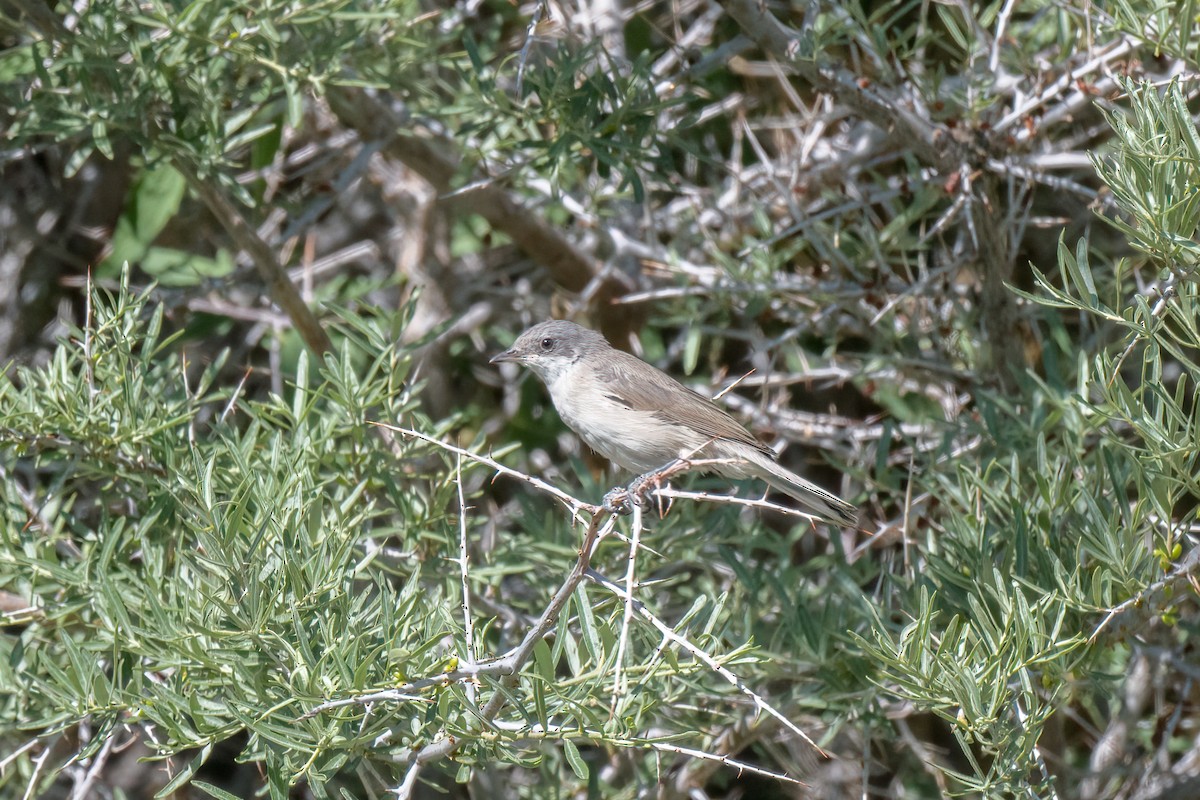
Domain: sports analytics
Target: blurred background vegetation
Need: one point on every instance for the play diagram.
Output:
(943, 255)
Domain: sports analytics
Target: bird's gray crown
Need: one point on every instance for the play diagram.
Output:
(552, 348)
(559, 338)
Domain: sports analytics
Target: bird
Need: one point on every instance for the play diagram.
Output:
(642, 419)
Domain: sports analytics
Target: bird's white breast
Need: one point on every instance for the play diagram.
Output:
(636, 440)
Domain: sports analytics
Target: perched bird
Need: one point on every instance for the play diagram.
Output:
(642, 419)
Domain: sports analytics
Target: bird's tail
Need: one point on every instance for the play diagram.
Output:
(814, 498)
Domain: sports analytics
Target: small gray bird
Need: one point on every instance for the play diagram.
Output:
(642, 419)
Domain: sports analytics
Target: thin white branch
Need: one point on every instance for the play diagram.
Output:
(83, 788)
(669, 634)
(39, 765)
(1113, 52)
(733, 500)
(1186, 569)
(1001, 25)
(740, 766)
(630, 577)
(233, 398)
(549, 732)
(468, 625)
(570, 502)
(13, 756)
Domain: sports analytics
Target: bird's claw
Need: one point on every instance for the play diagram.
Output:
(640, 487)
(618, 501)
(622, 499)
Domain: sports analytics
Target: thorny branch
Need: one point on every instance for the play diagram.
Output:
(510, 664)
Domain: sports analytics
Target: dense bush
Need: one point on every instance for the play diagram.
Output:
(272, 525)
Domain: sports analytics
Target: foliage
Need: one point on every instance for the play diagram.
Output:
(963, 269)
(1075, 502)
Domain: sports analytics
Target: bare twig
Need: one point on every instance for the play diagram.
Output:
(669, 634)
(1167, 293)
(468, 624)
(627, 615)
(18, 752)
(539, 732)
(509, 664)
(434, 158)
(740, 766)
(570, 502)
(83, 788)
(283, 292)
(1185, 570)
(733, 500)
(539, 12)
(39, 765)
(931, 143)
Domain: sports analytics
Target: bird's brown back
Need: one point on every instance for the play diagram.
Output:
(644, 386)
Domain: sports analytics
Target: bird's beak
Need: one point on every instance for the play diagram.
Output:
(507, 355)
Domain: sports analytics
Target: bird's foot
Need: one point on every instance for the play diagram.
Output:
(641, 486)
(618, 501)
(622, 499)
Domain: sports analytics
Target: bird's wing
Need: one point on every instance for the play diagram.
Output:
(643, 388)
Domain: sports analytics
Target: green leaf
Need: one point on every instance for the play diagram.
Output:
(575, 759)
(184, 776)
(180, 268)
(152, 202)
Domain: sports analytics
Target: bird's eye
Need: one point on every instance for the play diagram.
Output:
(547, 344)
